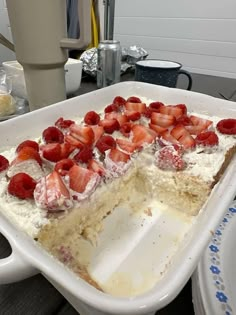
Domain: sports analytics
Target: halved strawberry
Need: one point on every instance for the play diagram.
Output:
(21, 185)
(63, 166)
(198, 121)
(53, 135)
(119, 101)
(159, 130)
(134, 99)
(142, 135)
(166, 138)
(98, 132)
(28, 143)
(183, 107)
(184, 120)
(51, 152)
(126, 145)
(105, 143)
(27, 153)
(155, 106)
(79, 177)
(125, 129)
(84, 155)
(4, 163)
(207, 138)
(111, 108)
(64, 123)
(73, 141)
(91, 118)
(195, 130)
(52, 194)
(66, 149)
(168, 158)
(181, 134)
(162, 120)
(132, 115)
(122, 119)
(171, 110)
(109, 125)
(118, 156)
(137, 107)
(96, 167)
(84, 134)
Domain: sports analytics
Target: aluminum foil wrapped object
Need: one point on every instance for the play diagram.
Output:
(130, 55)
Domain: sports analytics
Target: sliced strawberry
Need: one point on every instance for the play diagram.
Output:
(168, 158)
(208, 138)
(74, 142)
(122, 119)
(52, 194)
(98, 132)
(28, 143)
(132, 115)
(63, 166)
(118, 156)
(184, 120)
(96, 167)
(227, 126)
(134, 99)
(111, 108)
(142, 135)
(4, 163)
(181, 134)
(155, 106)
(66, 149)
(183, 107)
(159, 130)
(197, 121)
(125, 129)
(178, 131)
(171, 110)
(27, 153)
(166, 138)
(53, 135)
(64, 123)
(84, 155)
(91, 118)
(105, 143)
(126, 145)
(51, 152)
(79, 177)
(84, 134)
(110, 125)
(162, 120)
(137, 107)
(195, 130)
(119, 101)
(22, 186)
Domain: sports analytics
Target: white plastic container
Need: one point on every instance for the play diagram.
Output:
(73, 73)
(177, 252)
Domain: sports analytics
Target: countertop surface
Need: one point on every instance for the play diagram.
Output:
(37, 296)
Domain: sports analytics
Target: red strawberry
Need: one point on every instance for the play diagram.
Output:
(159, 130)
(119, 101)
(126, 145)
(142, 135)
(22, 186)
(125, 129)
(227, 126)
(79, 177)
(27, 153)
(53, 135)
(84, 134)
(96, 167)
(171, 110)
(73, 142)
(4, 163)
(63, 123)
(98, 132)
(66, 149)
(28, 143)
(195, 130)
(91, 118)
(52, 194)
(134, 99)
(105, 143)
(208, 138)
(184, 120)
(168, 158)
(166, 138)
(118, 156)
(132, 115)
(183, 107)
(84, 155)
(51, 152)
(197, 121)
(137, 107)
(122, 119)
(63, 166)
(181, 134)
(109, 125)
(162, 120)
(155, 106)
(111, 108)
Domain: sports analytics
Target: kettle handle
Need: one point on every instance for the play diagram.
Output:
(84, 13)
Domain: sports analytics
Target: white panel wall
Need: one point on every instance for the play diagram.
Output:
(199, 34)
(5, 53)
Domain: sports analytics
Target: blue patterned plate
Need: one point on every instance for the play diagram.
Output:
(214, 281)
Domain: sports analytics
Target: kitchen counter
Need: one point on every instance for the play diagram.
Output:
(37, 296)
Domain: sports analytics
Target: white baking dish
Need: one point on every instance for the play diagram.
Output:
(27, 258)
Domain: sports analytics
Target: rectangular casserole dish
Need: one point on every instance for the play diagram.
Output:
(28, 258)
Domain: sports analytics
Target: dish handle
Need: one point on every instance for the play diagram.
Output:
(15, 268)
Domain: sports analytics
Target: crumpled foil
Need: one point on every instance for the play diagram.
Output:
(130, 55)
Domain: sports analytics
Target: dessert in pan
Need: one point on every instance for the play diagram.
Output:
(59, 187)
